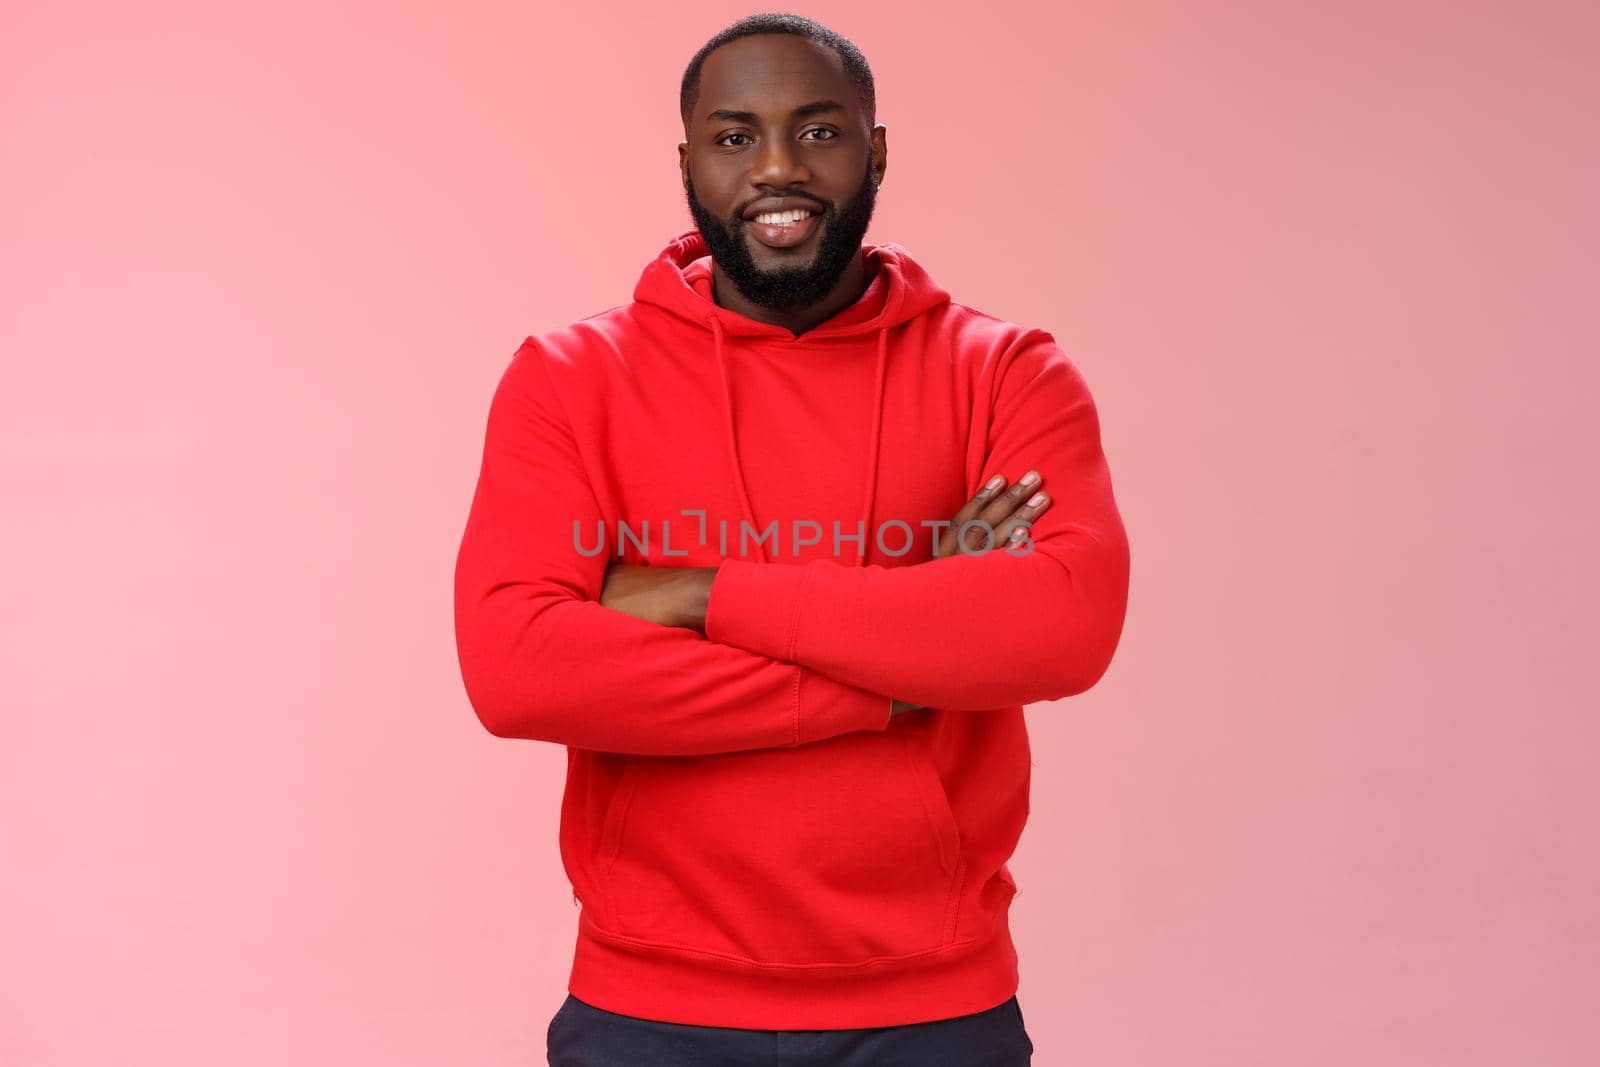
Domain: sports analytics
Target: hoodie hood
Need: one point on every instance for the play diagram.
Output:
(679, 281)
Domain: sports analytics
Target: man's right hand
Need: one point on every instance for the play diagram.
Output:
(1005, 511)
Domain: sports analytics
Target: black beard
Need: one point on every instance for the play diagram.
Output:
(789, 288)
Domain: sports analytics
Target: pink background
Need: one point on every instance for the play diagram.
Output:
(1329, 270)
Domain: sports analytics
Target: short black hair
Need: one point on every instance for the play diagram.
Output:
(855, 64)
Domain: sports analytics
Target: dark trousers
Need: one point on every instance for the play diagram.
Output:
(582, 1035)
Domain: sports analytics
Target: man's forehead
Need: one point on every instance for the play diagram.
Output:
(771, 76)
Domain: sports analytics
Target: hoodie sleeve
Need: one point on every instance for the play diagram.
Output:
(966, 632)
(542, 659)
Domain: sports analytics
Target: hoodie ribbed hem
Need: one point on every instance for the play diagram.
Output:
(672, 985)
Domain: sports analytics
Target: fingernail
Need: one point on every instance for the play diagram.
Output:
(1030, 477)
(994, 483)
(1035, 500)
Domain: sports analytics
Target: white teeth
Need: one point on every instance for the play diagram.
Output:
(781, 218)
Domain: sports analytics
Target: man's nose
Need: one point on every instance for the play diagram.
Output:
(778, 165)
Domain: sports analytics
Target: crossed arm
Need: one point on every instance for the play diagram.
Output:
(749, 655)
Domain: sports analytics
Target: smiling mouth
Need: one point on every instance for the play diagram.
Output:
(785, 229)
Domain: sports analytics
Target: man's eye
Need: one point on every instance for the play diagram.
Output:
(831, 135)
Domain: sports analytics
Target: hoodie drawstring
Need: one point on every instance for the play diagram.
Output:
(875, 447)
(872, 449)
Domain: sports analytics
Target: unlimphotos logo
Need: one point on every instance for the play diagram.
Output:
(803, 533)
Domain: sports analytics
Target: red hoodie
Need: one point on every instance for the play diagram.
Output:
(753, 841)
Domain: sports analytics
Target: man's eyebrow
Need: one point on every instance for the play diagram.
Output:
(723, 114)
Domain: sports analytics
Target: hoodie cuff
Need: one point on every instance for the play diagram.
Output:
(756, 606)
(829, 707)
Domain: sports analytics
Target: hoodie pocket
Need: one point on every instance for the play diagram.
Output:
(840, 852)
